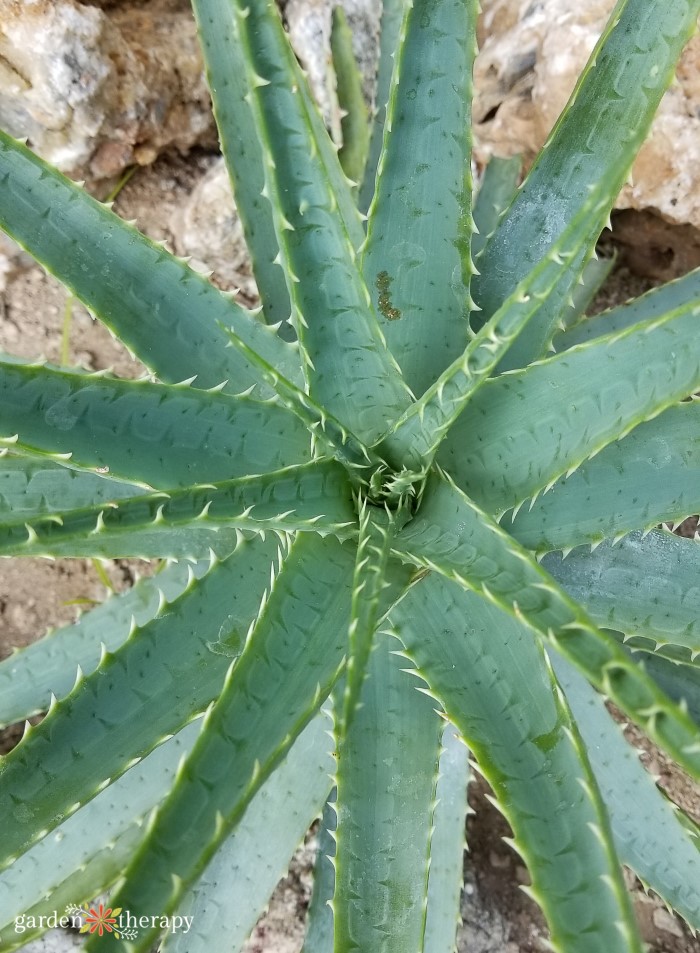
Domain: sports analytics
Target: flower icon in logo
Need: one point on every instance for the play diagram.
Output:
(100, 920)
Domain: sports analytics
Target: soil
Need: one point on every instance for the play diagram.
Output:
(497, 916)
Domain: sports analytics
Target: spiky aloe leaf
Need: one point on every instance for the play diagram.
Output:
(154, 302)
(314, 496)
(416, 260)
(653, 304)
(520, 730)
(31, 488)
(593, 277)
(390, 29)
(348, 367)
(651, 476)
(645, 586)
(30, 676)
(252, 859)
(376, 532)
(416, 437)
(134, 699)
(158, 435)
(242, 152)
(319, 920)
(447, 845)
(496, 191)
(451, 535)
(577, 403)
(659, 850)
(88, 851)
(387, 772)
(594, 140)
(681, 682)
(354, 123)
(267, 700)
(328, 431)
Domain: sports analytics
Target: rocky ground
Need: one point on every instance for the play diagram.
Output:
(181, 197)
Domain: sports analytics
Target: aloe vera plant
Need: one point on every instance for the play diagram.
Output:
(398, 528)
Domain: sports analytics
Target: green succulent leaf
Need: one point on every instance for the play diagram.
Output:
(136, 698)
(416, 261)
(418, 434)
(158, 306)
(347, 365)
(646, 586)
(87, 852)
(447, 845)
(267, 700)
(654, 304)
(451, 535)
(242, 151)
(660, 851)
(390, 29)
(31, 675)
(571, 407)
(376, 532)
(497, 190)
(593, 277)
(153, 434)
(651, 476)
(527, 747)
(679, 681)
(252, 859)
(594, 141)
(354, 125)
(387, 774)
(319, 920)
(315, 496)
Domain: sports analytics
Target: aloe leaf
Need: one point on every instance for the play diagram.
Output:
(659, 851)
(595, 140)
(577, 403)
(679, 681)
(447, 845)
(374, 544)
(473, 657)
(416, 437)
(161, 309)
(267, 700)
(451, 535)
(390, 29)
(651, 476)
(593, 277)
(386, 780)
(497, 190)
(354, 123)
(133, 700)
(327, 429)
(319, 920)
(416, 260)
(653, 304)
(158, 435)
(645, 586)
(348, 368)
(31, 487)
(249, 863)
(30, 676)
(315, 496)
(242, 152)
(87, 852)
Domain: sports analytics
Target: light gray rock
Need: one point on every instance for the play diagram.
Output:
(532, 52)
(95, 90)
